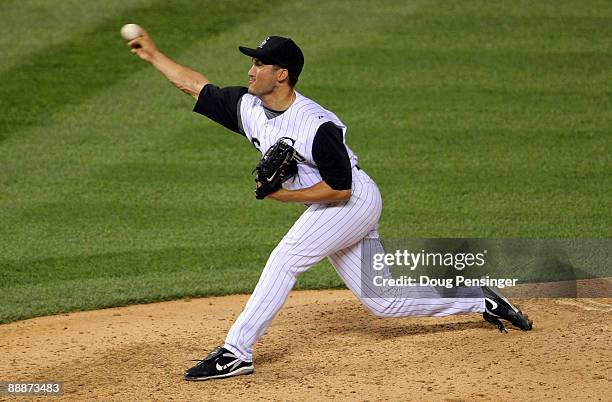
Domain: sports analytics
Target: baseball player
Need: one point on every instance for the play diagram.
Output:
(343, 202)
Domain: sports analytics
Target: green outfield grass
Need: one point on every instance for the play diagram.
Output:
(476, 118)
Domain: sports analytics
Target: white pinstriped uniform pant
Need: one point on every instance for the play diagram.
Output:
(335, 231)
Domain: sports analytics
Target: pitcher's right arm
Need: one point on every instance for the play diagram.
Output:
(187, 80)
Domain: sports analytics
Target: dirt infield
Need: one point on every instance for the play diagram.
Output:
(323, 345)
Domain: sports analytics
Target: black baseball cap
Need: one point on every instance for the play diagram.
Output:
(280, 51)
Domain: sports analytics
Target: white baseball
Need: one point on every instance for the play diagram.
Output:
(131, 31)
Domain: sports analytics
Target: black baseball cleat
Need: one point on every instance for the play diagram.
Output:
(220, 363)
(497, 306)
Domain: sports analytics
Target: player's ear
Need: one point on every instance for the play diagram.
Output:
(282, 74)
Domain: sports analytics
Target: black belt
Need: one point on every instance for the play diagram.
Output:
(357, 166)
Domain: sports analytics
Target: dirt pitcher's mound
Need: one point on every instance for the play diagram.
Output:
(323, 345)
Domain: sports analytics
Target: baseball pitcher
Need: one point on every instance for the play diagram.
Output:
(306, 160)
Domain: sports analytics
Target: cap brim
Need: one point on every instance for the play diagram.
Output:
(248, 51)
(256, 53)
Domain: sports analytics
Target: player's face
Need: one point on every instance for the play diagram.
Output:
(263, 78)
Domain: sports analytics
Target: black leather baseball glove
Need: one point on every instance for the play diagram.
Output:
(278, 164)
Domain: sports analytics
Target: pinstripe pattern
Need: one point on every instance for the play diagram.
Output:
(347, 263)
(336, 231)
(300, 122)
(321, 231)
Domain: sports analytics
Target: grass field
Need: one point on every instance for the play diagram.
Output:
(476, 119)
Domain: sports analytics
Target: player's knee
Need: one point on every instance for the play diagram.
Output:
(293, 259)
(283, 262)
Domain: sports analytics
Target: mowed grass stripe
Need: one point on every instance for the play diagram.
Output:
(33, 299)
(136, 214)
(30, 26)
(507, 144)
(69, 73)
(124, 167)
(491, 130)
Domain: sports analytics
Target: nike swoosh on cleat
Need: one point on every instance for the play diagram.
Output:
(221, 368)
(493, 303)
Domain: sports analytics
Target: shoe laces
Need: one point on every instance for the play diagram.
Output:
(216, 351)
